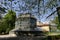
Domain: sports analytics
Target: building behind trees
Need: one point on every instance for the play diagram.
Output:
(26, 22)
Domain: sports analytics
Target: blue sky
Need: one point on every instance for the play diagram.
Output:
(22, 4)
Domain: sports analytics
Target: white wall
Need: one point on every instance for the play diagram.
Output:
(44, 28)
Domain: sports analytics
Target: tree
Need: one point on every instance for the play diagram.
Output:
(7, 4)
(56, 21)
(8, 22)
(2, 11)
(37, 7)
(54, 4)
(3, 26)
(32, 6)
(10, 19)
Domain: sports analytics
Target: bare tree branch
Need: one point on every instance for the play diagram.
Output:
(51, 14)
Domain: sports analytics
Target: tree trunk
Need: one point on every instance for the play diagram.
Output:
(58, 13)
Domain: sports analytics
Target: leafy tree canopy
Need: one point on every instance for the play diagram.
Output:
(8, 22)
